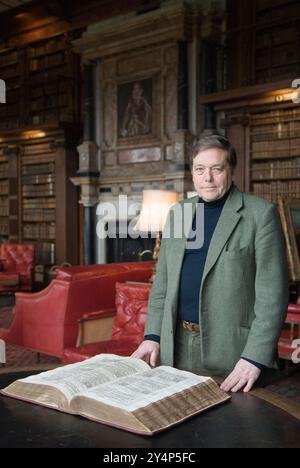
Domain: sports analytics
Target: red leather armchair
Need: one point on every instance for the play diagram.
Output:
(290, 332)
(128, 325)
(47, 321)
(17, 263)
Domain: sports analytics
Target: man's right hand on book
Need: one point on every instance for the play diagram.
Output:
(148, 351)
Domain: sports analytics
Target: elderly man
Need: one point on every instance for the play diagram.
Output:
(219, 308)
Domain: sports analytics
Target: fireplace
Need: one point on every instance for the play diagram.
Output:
(125, 249)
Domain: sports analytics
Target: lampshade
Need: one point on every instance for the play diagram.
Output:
(155, 208)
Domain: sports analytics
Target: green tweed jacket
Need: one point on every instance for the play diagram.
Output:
(244, 289)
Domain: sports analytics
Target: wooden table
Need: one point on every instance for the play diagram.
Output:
(245, 421)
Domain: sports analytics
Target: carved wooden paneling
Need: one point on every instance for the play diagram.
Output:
(109, 113)
(109, 69)
(140, 155)
(139, 63)
(110, 158)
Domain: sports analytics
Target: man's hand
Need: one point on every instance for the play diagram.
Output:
(244, 375)
(148, 351)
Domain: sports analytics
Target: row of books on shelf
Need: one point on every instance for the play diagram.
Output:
(43, 190)
(47, 47)
(43, 168)
(8, 58)
(280, 132)
(49, 101)
(271, 197)
(4, 228)
(275, 117)
(39, 231)
(38, 214)
(291, 144)
(60, 86)
(4, 211)
(286, 188)
(10, 72)
(9, 111)
(33, 203)
(38, 179)
(51, 74)
(35, 149)
(3, 171)
(41, 62)
(276, 153)
(9, 123)
(51, 116)
(45, 253)
(276, 169)
(4, 187)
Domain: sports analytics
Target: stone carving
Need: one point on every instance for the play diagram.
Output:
(109, 113)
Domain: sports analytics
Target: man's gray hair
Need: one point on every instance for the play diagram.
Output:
(214, 141)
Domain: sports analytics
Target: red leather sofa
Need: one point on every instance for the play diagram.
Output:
(128, 325)
(16, 267)
(47, 321)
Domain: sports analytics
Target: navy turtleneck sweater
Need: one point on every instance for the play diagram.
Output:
(194, 262)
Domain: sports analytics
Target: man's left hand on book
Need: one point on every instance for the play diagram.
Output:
(243, 376)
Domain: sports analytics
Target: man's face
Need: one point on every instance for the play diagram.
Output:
(212, 175)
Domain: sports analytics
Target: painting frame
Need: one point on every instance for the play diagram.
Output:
(143, 88)
(288, 208)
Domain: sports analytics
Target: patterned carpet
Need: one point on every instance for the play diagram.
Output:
(21, 359)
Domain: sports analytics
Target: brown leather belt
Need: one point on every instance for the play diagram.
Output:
(193, 327)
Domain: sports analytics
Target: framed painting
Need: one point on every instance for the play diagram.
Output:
(135, 108)
(289, 210)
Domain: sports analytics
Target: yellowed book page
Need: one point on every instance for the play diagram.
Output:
(76, 378)
(139, 390)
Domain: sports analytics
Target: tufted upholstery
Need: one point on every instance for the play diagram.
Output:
(290, 332)
(17, 263)
(47, 321)
(128, 325)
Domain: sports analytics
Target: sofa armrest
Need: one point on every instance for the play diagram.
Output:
(95, 326)
(294, 308)
(98, 314)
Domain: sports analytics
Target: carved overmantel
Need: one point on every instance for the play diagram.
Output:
(157, 55)
(144, 49)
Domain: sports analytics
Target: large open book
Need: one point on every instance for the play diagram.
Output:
(121, 391)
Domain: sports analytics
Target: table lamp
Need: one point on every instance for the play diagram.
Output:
(155, 207)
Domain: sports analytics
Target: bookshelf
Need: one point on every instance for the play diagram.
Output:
(10, 72)
(275, 154)
(38, 202)
(42, 83)
(51, 70)
(4, 201)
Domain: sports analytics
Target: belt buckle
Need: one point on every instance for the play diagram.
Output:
(190, 326)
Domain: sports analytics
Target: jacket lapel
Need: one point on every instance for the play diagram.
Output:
(228, 220)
